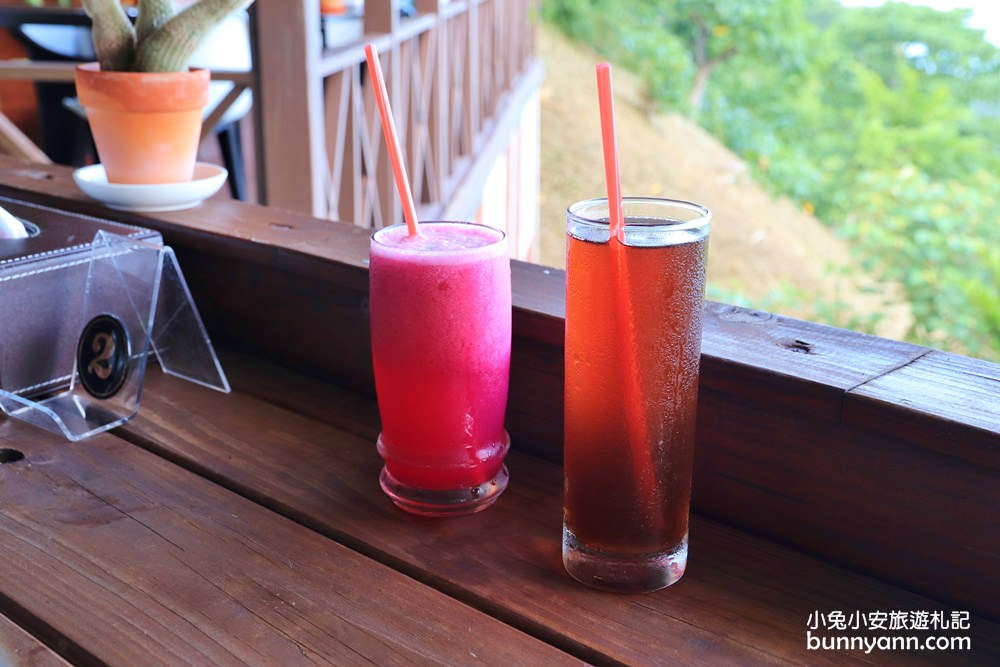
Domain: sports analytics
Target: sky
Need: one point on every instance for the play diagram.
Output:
(985, 13)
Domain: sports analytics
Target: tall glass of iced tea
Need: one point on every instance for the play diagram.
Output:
(441, 333)
(633, 346)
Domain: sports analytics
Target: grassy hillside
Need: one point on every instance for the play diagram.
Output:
(764, 252)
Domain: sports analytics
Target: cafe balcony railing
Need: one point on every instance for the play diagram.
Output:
(463, 83)
(835, 472)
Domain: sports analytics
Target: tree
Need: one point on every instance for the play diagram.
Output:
(884, 121)
(632, 34)
(935, 43)
(716, 31)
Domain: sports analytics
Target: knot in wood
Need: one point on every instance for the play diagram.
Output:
(800, 346)
(10, 455)
(739, 314)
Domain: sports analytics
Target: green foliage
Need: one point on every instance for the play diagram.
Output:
(786, 298)
(932, 42)
(633, 35)
(885, 121)
(984, 296)
(939, 240)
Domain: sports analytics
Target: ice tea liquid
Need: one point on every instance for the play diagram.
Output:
(633, 346)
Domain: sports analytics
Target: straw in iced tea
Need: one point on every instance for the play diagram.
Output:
(633, 347)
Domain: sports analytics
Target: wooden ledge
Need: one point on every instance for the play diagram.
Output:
(18, 647)
(250, 529)
(304, 449)
(878, 455)
(944, 402)
(58, 71)
(807, 368)
(114, 556)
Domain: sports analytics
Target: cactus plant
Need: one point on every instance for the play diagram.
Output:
(162, 40)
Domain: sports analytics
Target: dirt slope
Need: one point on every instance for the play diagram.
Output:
(757, 243)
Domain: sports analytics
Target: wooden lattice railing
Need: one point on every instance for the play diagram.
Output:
(457, 74)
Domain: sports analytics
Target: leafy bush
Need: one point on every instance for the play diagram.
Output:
(939, 239)
(885, 121)
(634, 35)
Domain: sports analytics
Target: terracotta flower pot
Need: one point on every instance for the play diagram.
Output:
(147, 125)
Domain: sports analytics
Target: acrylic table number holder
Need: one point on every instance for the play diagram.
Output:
(79, 322)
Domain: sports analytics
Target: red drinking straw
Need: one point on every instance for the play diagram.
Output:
(610, 139)
(392, 140)
(637, 426)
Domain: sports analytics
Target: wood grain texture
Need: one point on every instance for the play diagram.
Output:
(18, 648)
(743, 600)
(289, 105)
(907, 515)
(904, 513)
(791, 364)
(121, 558)
(924, 401)
(15, 142)
(807, 399)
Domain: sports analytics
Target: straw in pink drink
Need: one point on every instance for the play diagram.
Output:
(392, 140)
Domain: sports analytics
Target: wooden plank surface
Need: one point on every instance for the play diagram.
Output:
(292, 289)
(922, 402)
(743, 600)
(114, 556)
(18, 648)
(792, 364)
(907, 515)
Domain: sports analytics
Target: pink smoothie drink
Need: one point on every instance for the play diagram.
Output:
(441, 333)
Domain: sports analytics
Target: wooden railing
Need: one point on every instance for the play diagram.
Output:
(878, 456)
(458, 75)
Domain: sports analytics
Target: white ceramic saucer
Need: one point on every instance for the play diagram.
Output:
(208, 178)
